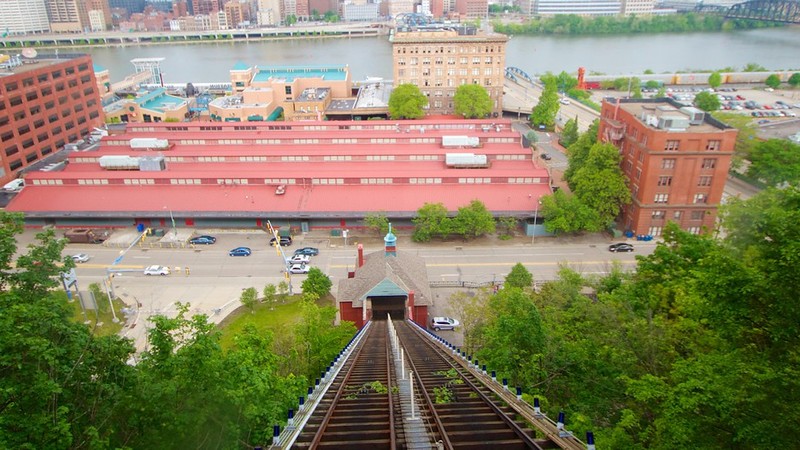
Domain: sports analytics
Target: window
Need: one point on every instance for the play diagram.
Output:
(694, 230)
(698, 215)
(713, 146)
(665, 181)
(709, 163)
(639, 173)
(704, 181)
(659, 214)
(654, 231)
(661, 198)
(671, 146)
(700, 198)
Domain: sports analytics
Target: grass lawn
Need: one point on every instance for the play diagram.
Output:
(281, 316)
(102, 316)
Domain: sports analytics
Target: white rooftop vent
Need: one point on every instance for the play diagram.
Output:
(696, 116)
(674, 123)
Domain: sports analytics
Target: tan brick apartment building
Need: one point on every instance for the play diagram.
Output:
(676, 159)
(45, 104)
(439, 60)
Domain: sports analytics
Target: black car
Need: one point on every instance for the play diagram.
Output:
(310, 251)
(620, 247)
(205, 240)
(285, 241)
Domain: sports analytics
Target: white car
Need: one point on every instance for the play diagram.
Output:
(80, 258)
(299, 268)
(156, 270)
(444, 323)
(564, 101)
(299, 259)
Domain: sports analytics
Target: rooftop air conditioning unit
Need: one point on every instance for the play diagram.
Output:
(676, 123)
(696, 116)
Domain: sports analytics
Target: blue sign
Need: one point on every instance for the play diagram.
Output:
(118, 260)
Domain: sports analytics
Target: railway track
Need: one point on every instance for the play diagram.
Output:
(446, 404)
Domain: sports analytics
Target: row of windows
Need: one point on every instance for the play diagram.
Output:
(449, 49)
(674, 145)
(44, 77)
(656, 231)
(464, 60)
(290, 181)
(664, 198)
(661, 214)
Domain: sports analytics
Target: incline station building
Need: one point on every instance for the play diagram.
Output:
(307, 175)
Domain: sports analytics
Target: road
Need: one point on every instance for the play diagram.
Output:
(215, 280)
(522, 96)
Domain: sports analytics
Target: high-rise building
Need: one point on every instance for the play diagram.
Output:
(76, 16)
(132, 6)
(45, 104)
(676, 159)
(204, 7)
(269, 12)
(440, 60)
(24, 17)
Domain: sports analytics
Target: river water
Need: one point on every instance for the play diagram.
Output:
(775, 49)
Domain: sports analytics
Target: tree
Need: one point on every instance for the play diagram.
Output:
(775, 161)
(519, 277)
(291, 19)
(652, 84)
(508, 224)
(249, 298)
(283, 291)
(377, 222)
(754, 67)
(747, 136)
(473, 220)
(407, 102)
(317, 283)
(270, 295)
(600, 183)
(570, 133)
(715, 80)
(319, 340)
(794, 80)
(472, 101)
(579, 151)
(773, 81)
(431, 220)
(707, 101)
(544, 113)
(533, 138)
(565, 213)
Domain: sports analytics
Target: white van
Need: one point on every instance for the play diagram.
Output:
(14, 185)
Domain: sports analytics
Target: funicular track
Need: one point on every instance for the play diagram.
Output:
(453, 405)
(360, 408)
(467, 414)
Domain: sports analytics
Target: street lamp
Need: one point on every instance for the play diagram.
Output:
(535, 219)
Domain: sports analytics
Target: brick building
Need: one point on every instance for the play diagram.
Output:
(44, 104)
(676, 159)
(440, 60)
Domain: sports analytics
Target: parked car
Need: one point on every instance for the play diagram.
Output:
(204, 240)
(156, 270)
(80, 258)
(620, 247)
(299, 268)
(564, 101)
(285, 241)
(545, 157)
(310, 251)
(299, 259)
(240, 251)
(444, 323)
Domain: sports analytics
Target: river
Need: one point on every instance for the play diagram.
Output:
(775, 49)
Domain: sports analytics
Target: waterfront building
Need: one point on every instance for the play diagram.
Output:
(676, 159)
(45, 104)
(148, 106)
(24, 17)
(439, 60)
(77, 16)
(638, 7)
(307, 175)
(297, 93)
(131, 6)
(360, 12)
(236, 13)
(204, 7)
(269, 12)
(579, 7)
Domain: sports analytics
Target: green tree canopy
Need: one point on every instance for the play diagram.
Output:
(715, 80)
(578, 152)
(775, 161)
(570, 133)
(377, 222)
(407, 102)
(472, 101)
(600, 183)
(773, 81)
(519, 277)
(317, 283)
(473, 220)
(544, 113)
(794, 80)
(431, 220)
(565, 213)
(707, 101)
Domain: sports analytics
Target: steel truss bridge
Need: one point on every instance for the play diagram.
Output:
(784, 11)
